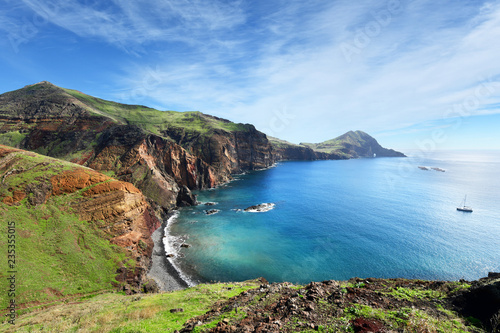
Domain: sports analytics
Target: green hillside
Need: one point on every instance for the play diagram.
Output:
(139, 314)
(57, 255)
(353, 144)
(338, 143)
(156, 121)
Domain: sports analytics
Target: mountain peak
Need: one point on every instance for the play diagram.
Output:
(354, 144)
(45, 83)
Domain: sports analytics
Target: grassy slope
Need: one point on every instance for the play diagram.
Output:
(156, 121)
(57, 254)
(279, 143)
(416, 308)
(119, 313)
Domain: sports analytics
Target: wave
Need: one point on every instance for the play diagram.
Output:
(172, 245)
(274, 165)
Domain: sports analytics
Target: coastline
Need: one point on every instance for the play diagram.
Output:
(162, 271)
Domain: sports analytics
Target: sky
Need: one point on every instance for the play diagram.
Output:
(414, 74)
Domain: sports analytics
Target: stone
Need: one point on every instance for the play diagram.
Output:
(261, 208)
(176, 310)
(185, 197)
(211, 211)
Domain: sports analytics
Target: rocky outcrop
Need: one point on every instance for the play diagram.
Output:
(229, 152)
(154, 164)
(116, 207)
(260, 208)
(185, 197)
(357, 305)
(49, 120)
(482, 301)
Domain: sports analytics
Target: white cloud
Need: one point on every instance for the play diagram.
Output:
(247, 61)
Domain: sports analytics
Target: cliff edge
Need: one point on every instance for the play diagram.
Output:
(77, 230)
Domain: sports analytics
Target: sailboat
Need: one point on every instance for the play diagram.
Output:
(464, 208)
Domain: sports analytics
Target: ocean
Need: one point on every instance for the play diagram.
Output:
(372, 217)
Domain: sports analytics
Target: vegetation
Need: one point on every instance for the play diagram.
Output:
(12, 139)
(412, 294)
(356, 138)
(407, 319)
(56, 254)
(113, 312)
(156, 121)
(281, 143)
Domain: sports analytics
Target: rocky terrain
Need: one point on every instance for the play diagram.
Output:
(74, 213)
(359, 305)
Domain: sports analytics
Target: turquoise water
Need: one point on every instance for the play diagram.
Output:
(380, 217)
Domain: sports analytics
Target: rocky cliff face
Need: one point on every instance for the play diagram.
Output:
(47, 119)
(235, 152)
(299, 153)
(158, 152)
(117, 208)
(154, 164)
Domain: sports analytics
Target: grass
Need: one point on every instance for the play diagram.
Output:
(412, 294)
(156, 121)
(12, 139)
(36, 168)
(408, 319)
(57, 254)
(278, 143)
(117, 313)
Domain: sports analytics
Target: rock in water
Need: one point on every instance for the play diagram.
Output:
(185, 197)
(211, 211)
(263, 207)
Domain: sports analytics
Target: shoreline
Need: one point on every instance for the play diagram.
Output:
(162, 271)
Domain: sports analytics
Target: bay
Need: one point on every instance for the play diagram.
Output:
(376, 217)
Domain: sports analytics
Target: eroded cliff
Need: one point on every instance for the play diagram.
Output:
(158, 152)
(74, 215)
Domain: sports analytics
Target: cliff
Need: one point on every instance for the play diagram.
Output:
(353, 145)
(78, 230)
(157, 151)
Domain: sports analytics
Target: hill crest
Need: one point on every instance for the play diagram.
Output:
(353, 144)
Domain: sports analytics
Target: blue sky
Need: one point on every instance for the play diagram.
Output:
(411, 73)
